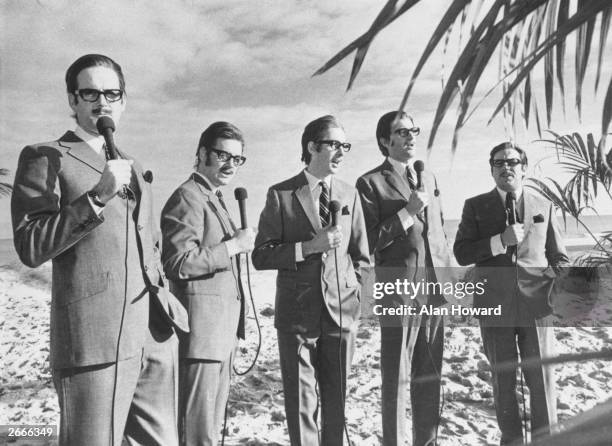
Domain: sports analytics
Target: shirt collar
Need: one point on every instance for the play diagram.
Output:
(96, 142)
(503, 193)
(207, 182)
(399, 166)
(313, 182)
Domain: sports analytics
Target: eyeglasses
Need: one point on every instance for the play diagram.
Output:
(414, 131)
(336, 145)
(224, 157)
(91, 95)
(510, 162)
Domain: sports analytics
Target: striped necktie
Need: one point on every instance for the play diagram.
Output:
(411, 181)
(324, 204)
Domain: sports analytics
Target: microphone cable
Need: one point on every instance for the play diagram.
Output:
(123, 308)
(340, 356)
(256, 351)
(256, 322)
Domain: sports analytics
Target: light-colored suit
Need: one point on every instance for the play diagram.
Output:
(524, 294)
(408, 348)
(206, 280)
(307, 311)
(54, 220)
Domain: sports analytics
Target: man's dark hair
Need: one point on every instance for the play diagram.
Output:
(88, 61)
(314, 130)
(383, 129)
(218, 130)
(508, 145)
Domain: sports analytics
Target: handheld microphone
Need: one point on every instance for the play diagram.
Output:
(334, 209)
(241, 195)
(419, 167)
(512, 214)
(106, 127)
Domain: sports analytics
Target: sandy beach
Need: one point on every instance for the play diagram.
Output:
(256, 412)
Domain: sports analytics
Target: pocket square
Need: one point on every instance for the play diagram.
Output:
(538, 218)
(345, 211)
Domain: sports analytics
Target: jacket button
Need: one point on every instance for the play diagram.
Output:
(140, 227)
(324, 255)
(146, 268)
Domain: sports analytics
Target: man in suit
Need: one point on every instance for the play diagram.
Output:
(511, 234)
(407, 239)
(114, 351)
(201, 256)
(318, 284)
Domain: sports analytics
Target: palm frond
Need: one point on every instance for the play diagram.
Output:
(5, 188)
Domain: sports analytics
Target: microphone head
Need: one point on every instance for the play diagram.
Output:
(419, 166)
(105, 123)
(334, 206)
(240, 193)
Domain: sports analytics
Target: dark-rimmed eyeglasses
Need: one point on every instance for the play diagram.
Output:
(510, 162)
(336, 145)
(414, 131)
(224, 157)
(92, 95)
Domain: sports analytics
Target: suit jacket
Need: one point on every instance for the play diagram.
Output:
(202, 275)
(53, 219)
(400, 253)
(541, 249)
(304, 289)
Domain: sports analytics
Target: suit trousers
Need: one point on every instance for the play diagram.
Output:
(500, 346)
(146, 397)
(413, 350)
(310, 367)
(204, 389)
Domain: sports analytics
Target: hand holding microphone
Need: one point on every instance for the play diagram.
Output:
(244, 237)
(327, 238)
(117, 172)
(419, 199)
(514, 232)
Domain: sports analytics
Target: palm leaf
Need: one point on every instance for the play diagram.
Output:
(562, 17)
(387, 15)
(594, 7)
(583, 46)
(5, 188)
(603, 38)
(454, 10)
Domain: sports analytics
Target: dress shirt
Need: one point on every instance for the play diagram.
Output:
(314, 184)
(96, 143)
(497, 246)
(230, 245)
(404, 216)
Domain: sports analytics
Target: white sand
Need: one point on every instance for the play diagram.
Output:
(256, 401)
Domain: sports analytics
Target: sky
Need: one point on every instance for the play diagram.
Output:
(189, 63)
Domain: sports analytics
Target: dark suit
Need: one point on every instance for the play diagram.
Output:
(307, 314)
(416, 343)
(90, 328)
(206, 280)
(523, 293)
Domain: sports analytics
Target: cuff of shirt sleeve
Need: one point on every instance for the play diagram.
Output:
(405, 218)
(497, 247)
(232, 247)
(299, 256)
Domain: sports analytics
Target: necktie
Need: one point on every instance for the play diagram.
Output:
(410, 178)
(509, 216)
(220, 197)
(324, 204)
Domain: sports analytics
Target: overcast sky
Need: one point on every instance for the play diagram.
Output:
(189, 63)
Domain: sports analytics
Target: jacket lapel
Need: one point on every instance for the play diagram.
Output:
(223, 217)
(392, 178)
(78, 149)
(303, 195)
